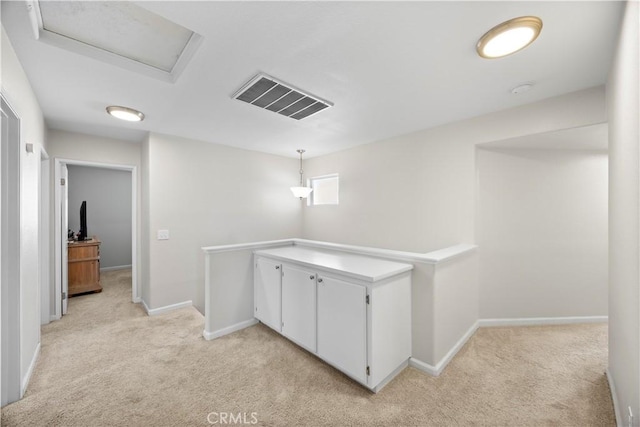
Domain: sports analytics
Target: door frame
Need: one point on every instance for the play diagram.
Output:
(63, 245)
(58, 236)
(10, 318)
(45, 224)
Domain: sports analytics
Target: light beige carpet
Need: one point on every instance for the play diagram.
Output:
(107, 364)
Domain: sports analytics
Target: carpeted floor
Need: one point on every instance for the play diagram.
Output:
(108, 364)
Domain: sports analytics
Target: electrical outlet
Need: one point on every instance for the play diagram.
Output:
(630, 417)
(163, 234)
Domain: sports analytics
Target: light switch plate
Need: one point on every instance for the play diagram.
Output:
(163, 234)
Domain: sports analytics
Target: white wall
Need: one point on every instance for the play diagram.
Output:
(19, 94)
(108, 196)
(90, 148)
(455, 305)
(624, 218)
(207, 194)
(231, 298)
(417, 192)
(542, 232)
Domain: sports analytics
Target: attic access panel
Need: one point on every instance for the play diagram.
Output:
(117, 32)
(274, 95)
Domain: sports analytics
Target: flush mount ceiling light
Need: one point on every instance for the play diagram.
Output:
(119, 33)
(124, 113)
(509, 37)
(301, 192)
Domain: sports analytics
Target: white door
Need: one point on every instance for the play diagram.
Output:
(342, 326)
(299, 306)
(267, 293)
(64, 227)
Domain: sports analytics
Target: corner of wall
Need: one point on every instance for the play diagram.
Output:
(144, 275)
(623, 102)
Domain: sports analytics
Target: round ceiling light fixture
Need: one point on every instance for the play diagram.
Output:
(125, 113)
(509, 37)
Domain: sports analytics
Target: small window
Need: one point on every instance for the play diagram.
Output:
(325, 190)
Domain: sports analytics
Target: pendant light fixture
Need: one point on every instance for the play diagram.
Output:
(301, 192)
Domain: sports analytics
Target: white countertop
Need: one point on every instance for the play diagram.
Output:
(433, 257)
(356, 266)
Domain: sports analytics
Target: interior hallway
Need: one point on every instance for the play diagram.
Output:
(107, 363)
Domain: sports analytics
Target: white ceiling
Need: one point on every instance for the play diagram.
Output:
(390, 68)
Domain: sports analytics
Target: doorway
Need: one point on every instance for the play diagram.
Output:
(10, 255)
(63, 211)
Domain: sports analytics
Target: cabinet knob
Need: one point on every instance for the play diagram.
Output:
(277, 267)
(319, 280)
(312, 277)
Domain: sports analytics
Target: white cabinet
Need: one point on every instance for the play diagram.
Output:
(352, 311)
(267, 297)
(342, 326)
(299, 306)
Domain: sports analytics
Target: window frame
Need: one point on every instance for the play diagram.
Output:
(311, 198)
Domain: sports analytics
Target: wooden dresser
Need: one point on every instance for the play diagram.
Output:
(84, 266)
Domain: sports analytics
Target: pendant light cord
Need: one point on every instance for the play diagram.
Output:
(301, 170)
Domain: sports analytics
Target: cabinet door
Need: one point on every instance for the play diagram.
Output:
(266, 284)
(342, 326)
(299, 306)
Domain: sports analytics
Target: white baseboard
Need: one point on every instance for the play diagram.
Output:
(531, 321)
(437, 370)
(53, 317)
(456, 348)
(483, 323)
(228, 330)
(166, 308)
(423, 366)
(137, 300)
(116, 267)
(32, 366)
(614, 397)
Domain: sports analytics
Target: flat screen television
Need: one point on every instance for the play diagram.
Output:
(83, 234)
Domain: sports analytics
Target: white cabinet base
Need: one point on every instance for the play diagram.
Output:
(342, 326)
(299, 306)
(391, 376)
(352, 311)
(267, 297)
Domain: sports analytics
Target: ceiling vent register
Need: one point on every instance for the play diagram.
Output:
(272, 94)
